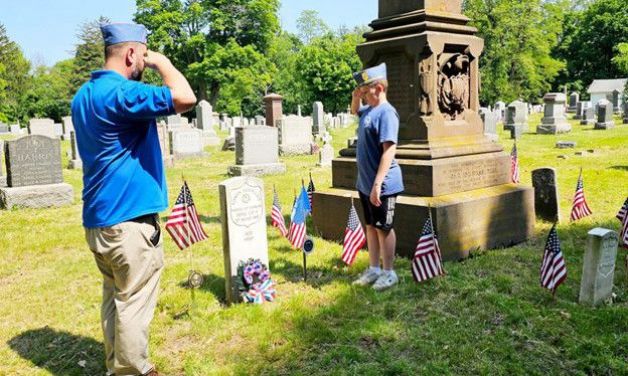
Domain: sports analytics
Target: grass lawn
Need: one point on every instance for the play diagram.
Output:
(487, 316)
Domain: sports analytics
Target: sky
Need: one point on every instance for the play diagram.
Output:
(46, 29)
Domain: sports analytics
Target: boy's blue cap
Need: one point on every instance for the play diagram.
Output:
(115, 33)
(371, 75)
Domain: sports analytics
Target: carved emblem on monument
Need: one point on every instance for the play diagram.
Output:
(427, 87)
(453, 85)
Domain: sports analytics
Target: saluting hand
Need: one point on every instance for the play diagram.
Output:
(155, 60)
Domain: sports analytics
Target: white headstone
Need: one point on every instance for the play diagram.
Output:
(243, 219)
(598, 267)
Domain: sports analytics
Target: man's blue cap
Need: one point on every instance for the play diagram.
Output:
(115, 33)
(371, 75)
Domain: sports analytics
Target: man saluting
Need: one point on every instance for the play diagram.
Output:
(124, 186)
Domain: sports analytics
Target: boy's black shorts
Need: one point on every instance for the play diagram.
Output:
(381, 217)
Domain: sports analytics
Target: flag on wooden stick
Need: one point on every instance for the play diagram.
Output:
(580, 208)
(183, 224)
(427, 262)
(277, 217)
(354, 237)
(553, 268)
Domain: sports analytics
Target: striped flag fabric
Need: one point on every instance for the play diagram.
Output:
(298, 230)
(427, 262)
(514, 165)
(623, 218)
(553, 268)
(355, 238)
(310, 190)
(580, 208)
(277, 217)
(183, 224)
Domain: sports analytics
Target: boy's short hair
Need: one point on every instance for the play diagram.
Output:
(384, 83)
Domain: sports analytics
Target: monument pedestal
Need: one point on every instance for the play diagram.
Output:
(37, 196)
(605, 125)
(553, 128)
(257, 169)
(487, 218)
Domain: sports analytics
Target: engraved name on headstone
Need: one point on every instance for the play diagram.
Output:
(33, 160)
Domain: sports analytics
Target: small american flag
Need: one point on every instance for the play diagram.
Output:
(623, 218)
(580, 207)
(276, 215)
(553, 269)
(310, 190)
(298, 230)
(183, 224)
(427, 262)
(514, 165)
(354, 238)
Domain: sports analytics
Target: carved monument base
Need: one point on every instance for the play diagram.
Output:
(37, 196)
(482, 219)
(257, 170)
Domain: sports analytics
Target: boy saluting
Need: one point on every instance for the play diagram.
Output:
(379, 176)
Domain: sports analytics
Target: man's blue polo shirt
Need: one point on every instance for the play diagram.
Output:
(116, 131)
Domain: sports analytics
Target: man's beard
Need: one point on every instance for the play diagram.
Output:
(137, 74)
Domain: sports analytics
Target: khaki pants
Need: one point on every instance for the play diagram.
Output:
(131, 267)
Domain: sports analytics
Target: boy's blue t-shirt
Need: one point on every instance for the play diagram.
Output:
(377, 125)
(115, 123)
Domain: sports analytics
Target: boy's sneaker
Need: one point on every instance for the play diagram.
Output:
(386, 280)
(368, 276)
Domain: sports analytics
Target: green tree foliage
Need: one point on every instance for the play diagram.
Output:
(311, 26)
(519, 37)
(14, 78)
(89, 55)
(591, 42)
(283, 53)
(220, 45)
(50, 91)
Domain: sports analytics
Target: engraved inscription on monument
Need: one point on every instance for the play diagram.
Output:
(33, 160)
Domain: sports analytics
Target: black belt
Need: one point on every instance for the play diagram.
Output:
(153, 220)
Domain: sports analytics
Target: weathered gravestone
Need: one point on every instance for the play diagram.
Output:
(205, 122)
(489, 118)
(598, 268)
(257, 152)
(243, 220)
(16, 129)
(500, 109)
(626, 111)
(554, 120)
(589, 116)
(34, 177)
(516, 119)
(546, 200)
(274, 109)
(4, 128)
(42, 127)
(186, 143)
(68, 127)
(75, 162)
(318, 116)
(604, 115)
(58, 128)
(566, 144)
(573, 102)
(581, 107)
(260, 120)
(295, 135)
(326, 154)
(616, 101)
(164, 144)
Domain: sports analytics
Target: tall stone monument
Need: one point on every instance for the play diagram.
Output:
(318, 114)
(205, 122)
(274, 109)
(574, 98)
(448, 164)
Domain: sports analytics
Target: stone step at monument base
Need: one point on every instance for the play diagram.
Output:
(489, 218)
(437, 177)
(37, 196)
(257, 170)
(605, 125)
(75, 164)
(553, 129)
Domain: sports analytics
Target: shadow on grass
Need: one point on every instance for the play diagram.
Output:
(621, 168)
(293, 272)
(59, 352)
